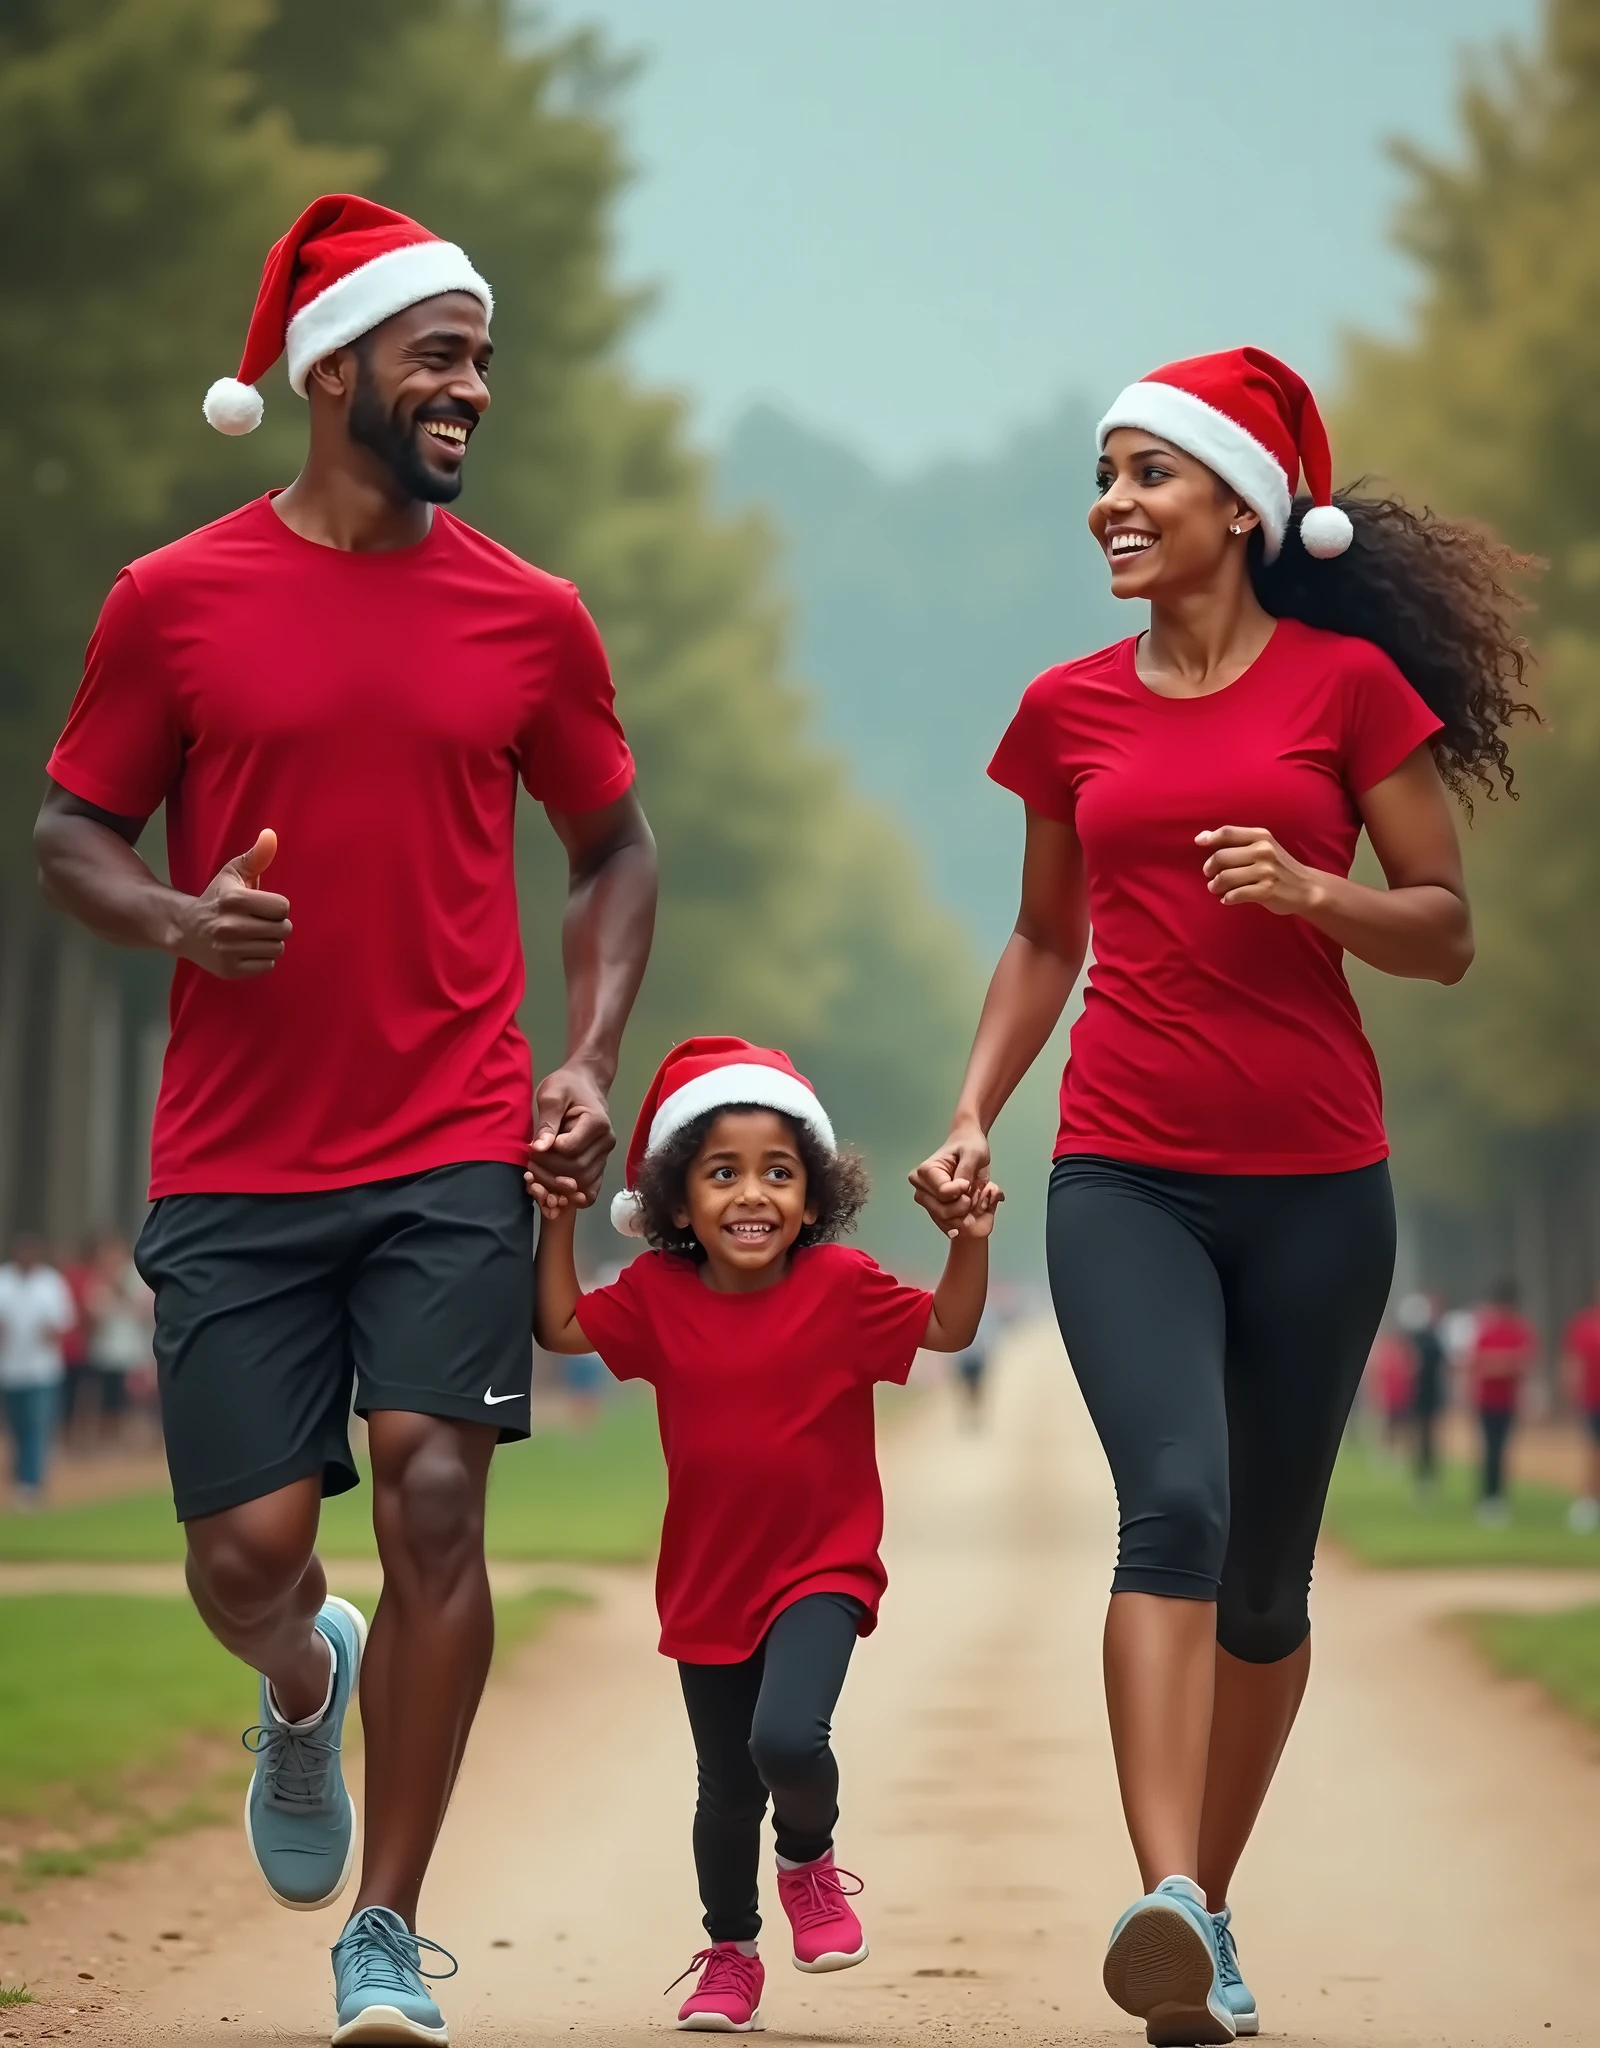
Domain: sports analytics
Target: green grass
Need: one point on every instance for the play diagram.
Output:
(1560, 1651)
(595, 1498)
(15, 1994)
(1375, 1511)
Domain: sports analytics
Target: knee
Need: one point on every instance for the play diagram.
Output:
(429, 1512)
(787, 1752)
(1263, 1624)
(1178, 1524)
(246, 1564)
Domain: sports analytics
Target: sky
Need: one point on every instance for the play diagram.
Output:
(915, 224)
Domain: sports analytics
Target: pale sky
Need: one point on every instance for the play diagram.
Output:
(914, 223)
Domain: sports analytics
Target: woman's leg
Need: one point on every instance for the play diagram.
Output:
(721, 1701)
(807, 1655)
(1307, 1264)
(1140, 1308)
(1496, 1437)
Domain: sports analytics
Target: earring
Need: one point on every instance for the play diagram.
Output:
(1236, 529)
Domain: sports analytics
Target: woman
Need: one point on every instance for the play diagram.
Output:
(1221, 1231)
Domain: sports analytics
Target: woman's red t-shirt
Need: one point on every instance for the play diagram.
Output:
(765, 1407)
(1215, 1040)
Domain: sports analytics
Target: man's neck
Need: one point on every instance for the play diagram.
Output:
(338, 505)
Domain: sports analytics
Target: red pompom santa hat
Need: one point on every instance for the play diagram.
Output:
(1253, 420)
(345, 266)
(704, 1074)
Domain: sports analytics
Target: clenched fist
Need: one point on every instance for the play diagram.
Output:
(234, 928)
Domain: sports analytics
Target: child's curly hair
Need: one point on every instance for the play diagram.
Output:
(836, 1184)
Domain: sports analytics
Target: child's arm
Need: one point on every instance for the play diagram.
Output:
(959, 1298)
(556, 1292)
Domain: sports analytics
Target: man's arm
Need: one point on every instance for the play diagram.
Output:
(88, 868)
(605, 943)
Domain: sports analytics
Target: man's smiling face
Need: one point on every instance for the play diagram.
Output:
(421, 389)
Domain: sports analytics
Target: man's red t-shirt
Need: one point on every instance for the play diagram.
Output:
(1582, 1342)
(765, 1408)
(1215, 1040)
(376, 710)
(1504, 1345)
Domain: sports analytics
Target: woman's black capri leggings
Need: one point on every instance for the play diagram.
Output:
(1218, 1325)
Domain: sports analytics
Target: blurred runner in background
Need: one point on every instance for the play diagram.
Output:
(36, 1313)
(1392, 1371)
(119, 1338)
(1420, 1318)
(1580, 1361)
(1504, 1346)
(972, 1367)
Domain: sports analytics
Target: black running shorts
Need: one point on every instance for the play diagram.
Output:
(273, 1310)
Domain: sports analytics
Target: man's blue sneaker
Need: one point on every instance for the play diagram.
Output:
(298, 1818)
(1162, 1965)
(377, 1980)
(1235, 1991)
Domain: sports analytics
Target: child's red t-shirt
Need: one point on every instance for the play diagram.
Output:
(765, 1407)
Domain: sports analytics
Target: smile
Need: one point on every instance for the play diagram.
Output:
(749, 1233)
(451, 432)
(1124, 544)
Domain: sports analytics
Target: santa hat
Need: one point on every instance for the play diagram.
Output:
(345, 266)
(704, 1074)
(1253, 420)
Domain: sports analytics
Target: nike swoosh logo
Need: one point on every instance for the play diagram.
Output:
(494, 1400)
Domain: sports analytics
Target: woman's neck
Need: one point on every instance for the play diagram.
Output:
(1201, 641)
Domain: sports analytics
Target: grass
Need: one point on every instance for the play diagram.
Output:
(15, 1994)
(1561, 1652)
(1374, 1510)
(592, 1498)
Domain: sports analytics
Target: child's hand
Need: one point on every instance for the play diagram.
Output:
(551, 1206)
(979, 1219)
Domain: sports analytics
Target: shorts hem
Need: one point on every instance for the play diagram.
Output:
(192, 1502)
(1167, 1583)
(446, 1406)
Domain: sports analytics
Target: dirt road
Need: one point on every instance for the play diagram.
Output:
(1428, 1869)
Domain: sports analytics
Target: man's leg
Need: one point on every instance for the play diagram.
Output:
(432, 1637)
(255, 1577)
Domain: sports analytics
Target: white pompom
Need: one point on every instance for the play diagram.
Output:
(627, 1213)
(232, 407)
(1325, 531)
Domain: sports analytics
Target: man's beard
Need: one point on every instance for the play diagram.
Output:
(379, 430)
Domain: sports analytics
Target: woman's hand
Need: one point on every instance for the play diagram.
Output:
(945, 1183)
(1246, 864)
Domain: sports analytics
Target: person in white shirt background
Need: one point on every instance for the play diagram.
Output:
(36, 1312)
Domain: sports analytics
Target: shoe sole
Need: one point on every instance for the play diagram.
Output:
(358, 1622)
(1247, 2023)
(385, 2026)
(719, 2023)
(836, 1959)
(1160, 1969)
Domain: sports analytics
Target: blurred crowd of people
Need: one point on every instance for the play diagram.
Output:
(1485, 1358)
(76, 1364)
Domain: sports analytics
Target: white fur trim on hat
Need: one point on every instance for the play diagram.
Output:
(375, 293)
(1325, 531)
(1212, 438)
(627, 1213)
(232, 407)
(760, 1087)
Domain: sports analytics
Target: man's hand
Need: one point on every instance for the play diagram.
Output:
(235, 929)
(946, 1183)
(572, 1139)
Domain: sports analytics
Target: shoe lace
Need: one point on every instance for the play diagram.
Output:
(821, 1886)
(725, 1970)
(1227, 1955)
(297, 1764)
(382, 1957)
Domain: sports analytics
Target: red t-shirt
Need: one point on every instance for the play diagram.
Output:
(765, 1407)
(1504, 1344)
(376, 710)
(1215, 1040)
(1582, 1342)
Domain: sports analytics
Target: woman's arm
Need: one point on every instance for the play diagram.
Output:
(556, 1292)
(1031, 984)
(1420, 926)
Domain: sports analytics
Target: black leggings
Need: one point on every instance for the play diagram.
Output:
(1218, 1325)
(762, 1727)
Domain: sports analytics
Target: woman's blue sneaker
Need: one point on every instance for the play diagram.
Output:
(1235, 1991)
(1162, 1965)
(298, 1816)
(377, 1981)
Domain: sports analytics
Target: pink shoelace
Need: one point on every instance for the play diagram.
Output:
(725, 1970)
(823, 1887)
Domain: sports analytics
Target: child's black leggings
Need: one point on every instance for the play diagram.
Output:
(760, 1728)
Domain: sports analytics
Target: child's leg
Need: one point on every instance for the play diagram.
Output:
(721, 1699)
(807, 1654)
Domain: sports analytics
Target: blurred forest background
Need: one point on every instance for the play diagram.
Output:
(813, 659)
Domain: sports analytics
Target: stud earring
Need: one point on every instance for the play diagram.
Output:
(1236, 529)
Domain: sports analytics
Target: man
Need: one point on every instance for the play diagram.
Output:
(1504, 1349)
(334, 691)
(36, 1314)
(1420, 1318)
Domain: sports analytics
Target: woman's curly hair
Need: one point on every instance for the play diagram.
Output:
(836, 1184)
(1439, 597)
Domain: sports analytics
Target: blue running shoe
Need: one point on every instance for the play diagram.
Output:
(1162, 1965)
(298, 1818)
(1235, 1991)
(377, 1980)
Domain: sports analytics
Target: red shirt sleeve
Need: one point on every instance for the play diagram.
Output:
(890, 1322)
(1029, 759)
(573, 753)
(1384, 718)
(618, 1323)
(122, 747)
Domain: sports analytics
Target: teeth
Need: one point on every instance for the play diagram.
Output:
(1131, 543)
(446, 430)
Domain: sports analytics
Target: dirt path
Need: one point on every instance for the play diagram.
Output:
(1427, 1872)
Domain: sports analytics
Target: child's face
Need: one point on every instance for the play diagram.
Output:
(745, 1195)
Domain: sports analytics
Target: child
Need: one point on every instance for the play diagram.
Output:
(762, 1338)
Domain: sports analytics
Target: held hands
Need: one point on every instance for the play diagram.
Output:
(571, 1143)
(1246, 864)
(954, 1186)
(979, 1219)
(235, 929)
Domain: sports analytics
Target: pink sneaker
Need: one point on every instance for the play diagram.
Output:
(727, 1999)
(827, 1934)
